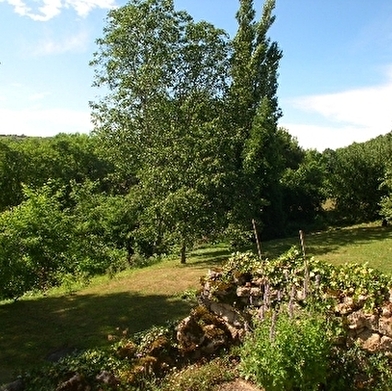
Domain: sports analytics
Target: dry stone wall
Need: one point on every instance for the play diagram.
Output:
(245, 296)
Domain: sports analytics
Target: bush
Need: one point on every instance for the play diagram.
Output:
(34, 240)
(355, 369)
(287, 354)
(44, 244)
(199, 377)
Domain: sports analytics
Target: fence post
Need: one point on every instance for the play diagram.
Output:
(306, 276)
(257, 238)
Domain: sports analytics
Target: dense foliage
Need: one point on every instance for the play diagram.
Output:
(294, 358)
(43, 244)
(300, 337)
(355, 175)
(193, 117)
(186, 147)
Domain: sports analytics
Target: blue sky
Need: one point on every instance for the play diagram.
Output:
(335, 83)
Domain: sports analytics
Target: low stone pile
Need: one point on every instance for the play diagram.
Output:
(372, 330)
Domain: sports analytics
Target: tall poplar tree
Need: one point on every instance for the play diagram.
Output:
(254, 116)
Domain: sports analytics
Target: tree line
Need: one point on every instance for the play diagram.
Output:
(186, 147)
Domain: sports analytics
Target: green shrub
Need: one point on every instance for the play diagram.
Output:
(287, 354)
(34, 241)
(355, 369)
(199, 377)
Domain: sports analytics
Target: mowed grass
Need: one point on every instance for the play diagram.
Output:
(33, 328)
(364, 243)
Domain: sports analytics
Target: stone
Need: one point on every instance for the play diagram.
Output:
(343, 309)
(74, 383)
(213, 274)
(386, 344)
(59, 354)
(359, 320)
(215, 339)
(203, 332)
(259, 281)
(349, 301)
(108, 378)
(226, 312)
(385, 326)
(189, 334)
(386, 312)
(243, 291)
(255, 292)
(369, 341)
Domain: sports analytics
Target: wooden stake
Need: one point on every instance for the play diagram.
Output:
(302, 240)
(306, 276)
(257, 238)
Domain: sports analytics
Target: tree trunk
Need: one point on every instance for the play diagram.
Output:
(183, 253)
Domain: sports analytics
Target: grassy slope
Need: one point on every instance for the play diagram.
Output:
(32, 328)
(361, 243)
(35, 327)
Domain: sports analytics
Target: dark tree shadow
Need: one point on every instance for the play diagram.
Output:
(209, 259)
(30, 330)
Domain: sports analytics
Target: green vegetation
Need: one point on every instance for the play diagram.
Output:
(295, 358)
(302, 337)
(76, 317)
(200, 377)
(363, 243)
(186, 150)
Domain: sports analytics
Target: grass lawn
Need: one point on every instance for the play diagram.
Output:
(361, 243)
(34, 327)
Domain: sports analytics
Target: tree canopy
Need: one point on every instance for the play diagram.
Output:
(190, 115)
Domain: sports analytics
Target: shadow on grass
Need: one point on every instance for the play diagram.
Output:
(330, 241)
(33, 329)
(209, 259)
(334, 240)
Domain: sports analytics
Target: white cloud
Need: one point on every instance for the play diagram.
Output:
(72, 43)
(354, 115)
(48, 10)
(363, 107)
(44, 122)
(83, 7)
(19, 6)
(38, 96)
(44, 10)
(322, 137)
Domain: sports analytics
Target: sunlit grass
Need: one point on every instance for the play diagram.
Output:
(362, 243)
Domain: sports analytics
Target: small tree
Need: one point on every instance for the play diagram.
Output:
(34, 242)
